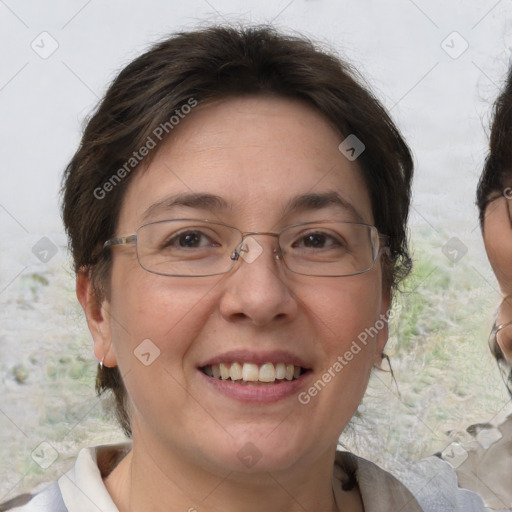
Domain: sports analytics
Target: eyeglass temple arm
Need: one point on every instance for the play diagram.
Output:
(121, 240)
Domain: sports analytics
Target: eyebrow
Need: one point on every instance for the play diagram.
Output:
(214, 203)
(191, 200)
(318, 201)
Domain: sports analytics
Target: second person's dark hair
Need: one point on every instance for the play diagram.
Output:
(497, 171)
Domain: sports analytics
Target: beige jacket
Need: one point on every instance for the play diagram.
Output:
(380, 491)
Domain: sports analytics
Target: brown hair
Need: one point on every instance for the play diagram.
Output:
(495, 177)
(206, 65)
(497, 171)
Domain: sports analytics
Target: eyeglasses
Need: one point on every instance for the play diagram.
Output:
(501, 336)
(196, 248)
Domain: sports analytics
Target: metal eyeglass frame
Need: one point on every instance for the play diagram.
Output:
(235, 255)
(504, 366)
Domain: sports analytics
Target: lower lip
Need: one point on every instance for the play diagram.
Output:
(264, 393)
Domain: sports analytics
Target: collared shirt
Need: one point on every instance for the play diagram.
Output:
(82, 489)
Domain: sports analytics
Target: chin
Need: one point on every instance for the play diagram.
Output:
(257, 451)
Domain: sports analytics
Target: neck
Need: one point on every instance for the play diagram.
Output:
(157, 480)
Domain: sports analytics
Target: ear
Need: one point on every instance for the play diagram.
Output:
(383, 326)
(98, 318)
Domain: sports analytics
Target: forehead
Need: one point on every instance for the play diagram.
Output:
(258, 157)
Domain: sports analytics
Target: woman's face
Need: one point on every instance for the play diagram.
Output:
(258, 155)
(497, 232)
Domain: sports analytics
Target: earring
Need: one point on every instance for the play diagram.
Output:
(101, 364)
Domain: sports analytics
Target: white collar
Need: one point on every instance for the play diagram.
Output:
(83, 489)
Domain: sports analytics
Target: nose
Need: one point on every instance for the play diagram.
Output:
(256, 290)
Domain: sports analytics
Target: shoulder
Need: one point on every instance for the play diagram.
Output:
(429, 485)
(47, 500)
(379, 489)
(436, 487)
(77, 489)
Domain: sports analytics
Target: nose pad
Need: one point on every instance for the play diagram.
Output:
(236, 252)
(249, 250)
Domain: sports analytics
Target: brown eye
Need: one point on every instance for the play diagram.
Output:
(317, 240)
(188, 240)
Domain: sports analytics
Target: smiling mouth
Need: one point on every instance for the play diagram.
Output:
(247, 373)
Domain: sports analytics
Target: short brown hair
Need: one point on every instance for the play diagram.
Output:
(211, 64)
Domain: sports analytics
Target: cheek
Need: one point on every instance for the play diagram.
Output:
(349, 317)
(500, 263)
(348, 321)
(347, 308)
(157, 315)
(155, 322)
(498, 245)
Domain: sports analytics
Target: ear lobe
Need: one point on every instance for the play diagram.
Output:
(97, 314)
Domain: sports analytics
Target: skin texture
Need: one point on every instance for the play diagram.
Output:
(497, 233)
(257, 154)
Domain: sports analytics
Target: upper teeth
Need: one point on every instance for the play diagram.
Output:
(250, 372)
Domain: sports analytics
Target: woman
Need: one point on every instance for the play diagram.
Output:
(487, 470)
(494, 197)
(236, 212)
